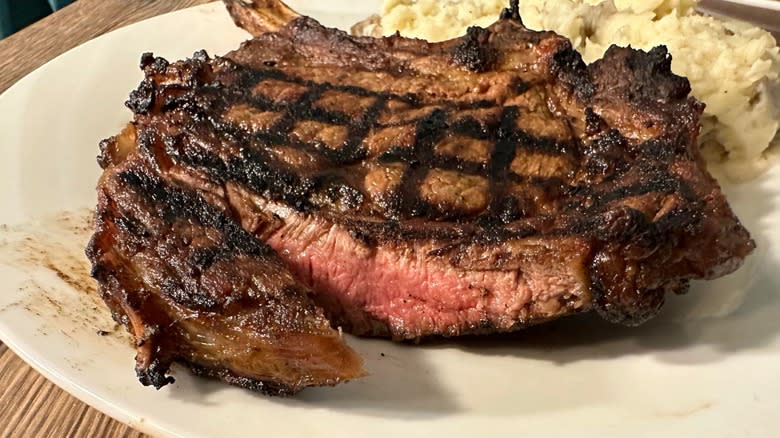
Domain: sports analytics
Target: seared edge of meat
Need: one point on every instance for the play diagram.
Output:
(192, 286)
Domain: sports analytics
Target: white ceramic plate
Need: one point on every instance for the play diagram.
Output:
(681, 374)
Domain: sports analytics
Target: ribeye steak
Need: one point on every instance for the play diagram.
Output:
(409, 189)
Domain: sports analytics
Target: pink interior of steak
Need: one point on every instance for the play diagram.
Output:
(403, 288)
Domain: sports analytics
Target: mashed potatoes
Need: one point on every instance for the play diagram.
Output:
(733, 67)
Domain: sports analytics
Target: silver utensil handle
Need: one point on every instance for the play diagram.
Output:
(766, 17)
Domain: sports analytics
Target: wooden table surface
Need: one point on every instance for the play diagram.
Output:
(30, 405)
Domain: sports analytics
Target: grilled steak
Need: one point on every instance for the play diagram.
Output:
(477, 185)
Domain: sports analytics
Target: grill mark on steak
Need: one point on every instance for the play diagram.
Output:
(428, 131)
(176, 204)
(482, 184)
(253, 76)
(502, 209)
(473, 52)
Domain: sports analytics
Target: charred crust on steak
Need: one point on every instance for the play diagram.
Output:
(651, 79)
(475, 51)
(593, 123)
(154, 374)
(606, 154)
(175, 204)
(156, 64)
(571, 69)
(142, 98)
(512, 12)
